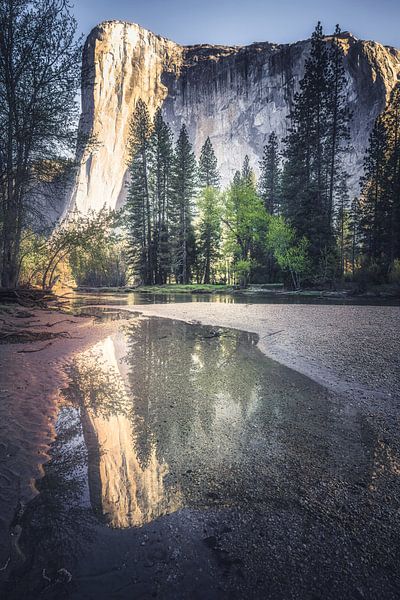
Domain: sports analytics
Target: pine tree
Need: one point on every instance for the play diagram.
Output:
(380, 196)
(209, 230)
(160, 186)
(373, 193)
(248, 176)
(338, 120)
(138, 208)
(354, 229)
(305, 203)
(208, 167)
(269, 183)
(312, 172)
(393, 170)
(237, 179)
(342, 224)
(183, 188)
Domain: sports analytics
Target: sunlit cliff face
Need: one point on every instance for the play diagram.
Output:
(235, 95)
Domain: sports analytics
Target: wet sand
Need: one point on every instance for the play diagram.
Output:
(32, 375)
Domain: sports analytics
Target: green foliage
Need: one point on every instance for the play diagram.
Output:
(209, 231)
(39, 76)
(394, 273)
(247, 175)
(318, 137)
(77, 233)
(242, 270)
(102, 260)
(79, 242)
(292, 256)
(380, 197)
(183, 189)
(32, 258)
(160, 189)
(245, 219)
(138, 209)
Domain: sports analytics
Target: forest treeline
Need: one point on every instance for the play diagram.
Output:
(298, 219)
(296, 223)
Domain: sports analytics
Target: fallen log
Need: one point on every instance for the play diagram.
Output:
(28, 297)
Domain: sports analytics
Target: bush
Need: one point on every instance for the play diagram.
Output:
(369, 273)
(394, 273)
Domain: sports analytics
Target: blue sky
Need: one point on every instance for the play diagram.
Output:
(246, 21)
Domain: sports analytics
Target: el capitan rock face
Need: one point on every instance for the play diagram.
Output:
(235, 95)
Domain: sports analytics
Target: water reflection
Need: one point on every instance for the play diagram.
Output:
(165, 418)
(152, 401)
(175, 415)
(79, 299)
(124, 489)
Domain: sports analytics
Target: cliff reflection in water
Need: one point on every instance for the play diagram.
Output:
(124, 490)
(162, 416)
(155, 396)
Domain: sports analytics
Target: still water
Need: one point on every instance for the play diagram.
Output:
(188, 465)
(77, 299)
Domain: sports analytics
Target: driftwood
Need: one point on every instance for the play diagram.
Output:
(27, 297)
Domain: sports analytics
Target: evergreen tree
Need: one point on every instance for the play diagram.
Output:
(342, 225)
(160, 186)
(269, 183)
(209, 230)
(373, 201)
(138, 208)
(303, 181)
(248, 176)
(237, 179)
(312, 172)
(208, 166)
(393, 171)
(354, 230)
(208, 205)
(380, 196)
(183, 188)
(338, 121)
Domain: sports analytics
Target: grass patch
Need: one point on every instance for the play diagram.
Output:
(190, 288)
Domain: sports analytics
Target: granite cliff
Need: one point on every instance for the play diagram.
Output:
(236, 95)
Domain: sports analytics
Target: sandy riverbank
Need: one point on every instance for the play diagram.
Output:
(342, 347)
(32, 375)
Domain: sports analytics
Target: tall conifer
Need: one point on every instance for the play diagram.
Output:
(138, 210)
(160, 184)
(208, 166)
(312, 174)
(269, 183)
(183, 186)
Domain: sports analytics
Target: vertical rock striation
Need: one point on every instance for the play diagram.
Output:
(235, 95)
(121, 63)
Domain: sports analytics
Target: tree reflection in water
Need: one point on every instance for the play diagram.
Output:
(163, 415)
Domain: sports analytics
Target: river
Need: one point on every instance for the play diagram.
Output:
(187, 464)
